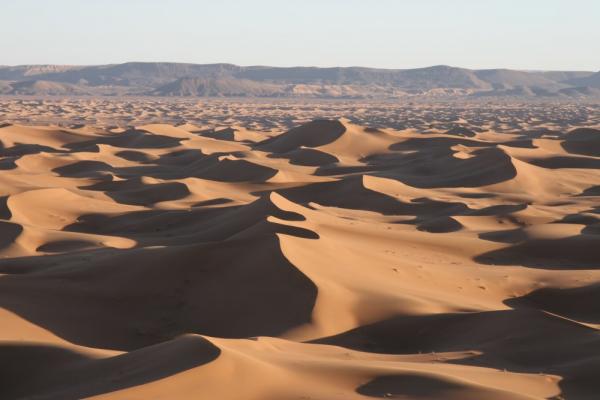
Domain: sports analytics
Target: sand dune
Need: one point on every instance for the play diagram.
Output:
(326, 261)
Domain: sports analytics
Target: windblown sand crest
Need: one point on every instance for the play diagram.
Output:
(327, 261)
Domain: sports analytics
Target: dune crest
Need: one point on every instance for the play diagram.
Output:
(328, 260)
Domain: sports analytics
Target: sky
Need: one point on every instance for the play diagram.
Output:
(523, 34)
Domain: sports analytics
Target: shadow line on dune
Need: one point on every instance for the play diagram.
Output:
(238, 287)
(579, 252)
(523, 340)
(63, 374)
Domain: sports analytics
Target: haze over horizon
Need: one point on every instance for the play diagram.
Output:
(538, 35)
(301, 66)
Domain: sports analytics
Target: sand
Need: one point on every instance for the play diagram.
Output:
(329, 260)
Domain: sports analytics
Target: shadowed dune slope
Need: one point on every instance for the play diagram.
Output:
(313, 134)
(326, 261)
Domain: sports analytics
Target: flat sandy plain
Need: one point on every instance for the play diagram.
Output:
(263, 250)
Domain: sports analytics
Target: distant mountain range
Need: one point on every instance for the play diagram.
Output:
(227, 80)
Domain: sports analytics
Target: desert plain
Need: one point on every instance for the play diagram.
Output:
(284, 249)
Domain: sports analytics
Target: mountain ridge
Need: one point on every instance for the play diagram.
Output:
(225, 80)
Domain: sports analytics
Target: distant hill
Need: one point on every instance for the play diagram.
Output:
(507, 79)
(43, 88)
(214, 80)
(589, 81)
(217, 87)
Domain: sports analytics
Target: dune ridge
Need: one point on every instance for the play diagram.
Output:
(326, 261)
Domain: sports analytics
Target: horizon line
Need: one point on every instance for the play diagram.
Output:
(296, 66)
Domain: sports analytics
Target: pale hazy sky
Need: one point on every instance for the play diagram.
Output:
(524, 34)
